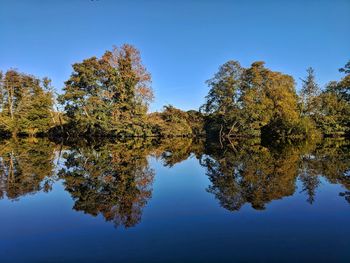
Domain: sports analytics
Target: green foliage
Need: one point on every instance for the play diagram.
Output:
(109, 94)
(243, 100)
(109, 97)
(197, 121)
(309, 94)
(25, 104)
(172, 122)
(332, 114)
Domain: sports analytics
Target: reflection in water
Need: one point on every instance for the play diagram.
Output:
(111, 180)
(115, 180)
(26, 167)
(258, 175)
(253, 175)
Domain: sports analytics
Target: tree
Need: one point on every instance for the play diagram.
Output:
(268, 98)
(222, 101)
(342, 88)
(333, 116)
(224, 90)
(241, 101)
(309, 94)
(26, 103)
(196, 120)
(170, 122)
(108, 94)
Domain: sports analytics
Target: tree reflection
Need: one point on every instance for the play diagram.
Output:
(251, 173)
(26, 167)
(175, 150)
(114, 180)
(330, 159)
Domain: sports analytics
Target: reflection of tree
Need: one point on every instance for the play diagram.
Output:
(175, 150)
(115, 180)
(310, 183)
(112, 180)
(308, 172)
(257, 175)
(334, 161)
(330, 159)
(253, 175)
(26, 166)
(346, 195)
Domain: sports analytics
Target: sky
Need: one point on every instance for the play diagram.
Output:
(182, 43)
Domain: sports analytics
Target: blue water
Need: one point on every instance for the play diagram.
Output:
(182, 221)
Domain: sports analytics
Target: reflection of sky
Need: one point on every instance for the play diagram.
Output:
(181, 221)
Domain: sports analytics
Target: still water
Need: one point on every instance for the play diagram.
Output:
(174, 201)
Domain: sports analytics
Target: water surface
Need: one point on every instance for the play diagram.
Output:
(174, 201)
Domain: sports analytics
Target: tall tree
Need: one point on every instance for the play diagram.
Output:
(243, 100)
(268, 97)
(110, 93)
(222, 101)
(309, 93)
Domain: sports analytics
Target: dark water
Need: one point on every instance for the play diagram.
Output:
(174, 201)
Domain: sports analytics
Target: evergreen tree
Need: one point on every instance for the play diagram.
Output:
(309, 94)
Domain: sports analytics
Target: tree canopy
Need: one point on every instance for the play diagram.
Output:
(25, 103)
(243, 100)
(110, 94)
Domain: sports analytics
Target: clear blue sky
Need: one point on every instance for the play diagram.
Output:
(182, 43)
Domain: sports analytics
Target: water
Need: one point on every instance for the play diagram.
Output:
(174, 201)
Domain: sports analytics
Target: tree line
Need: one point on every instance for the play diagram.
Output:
(248, 102)
(109, 96)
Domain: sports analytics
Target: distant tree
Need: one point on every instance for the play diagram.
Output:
(309, 93)
(196, 121)
(170, 122)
